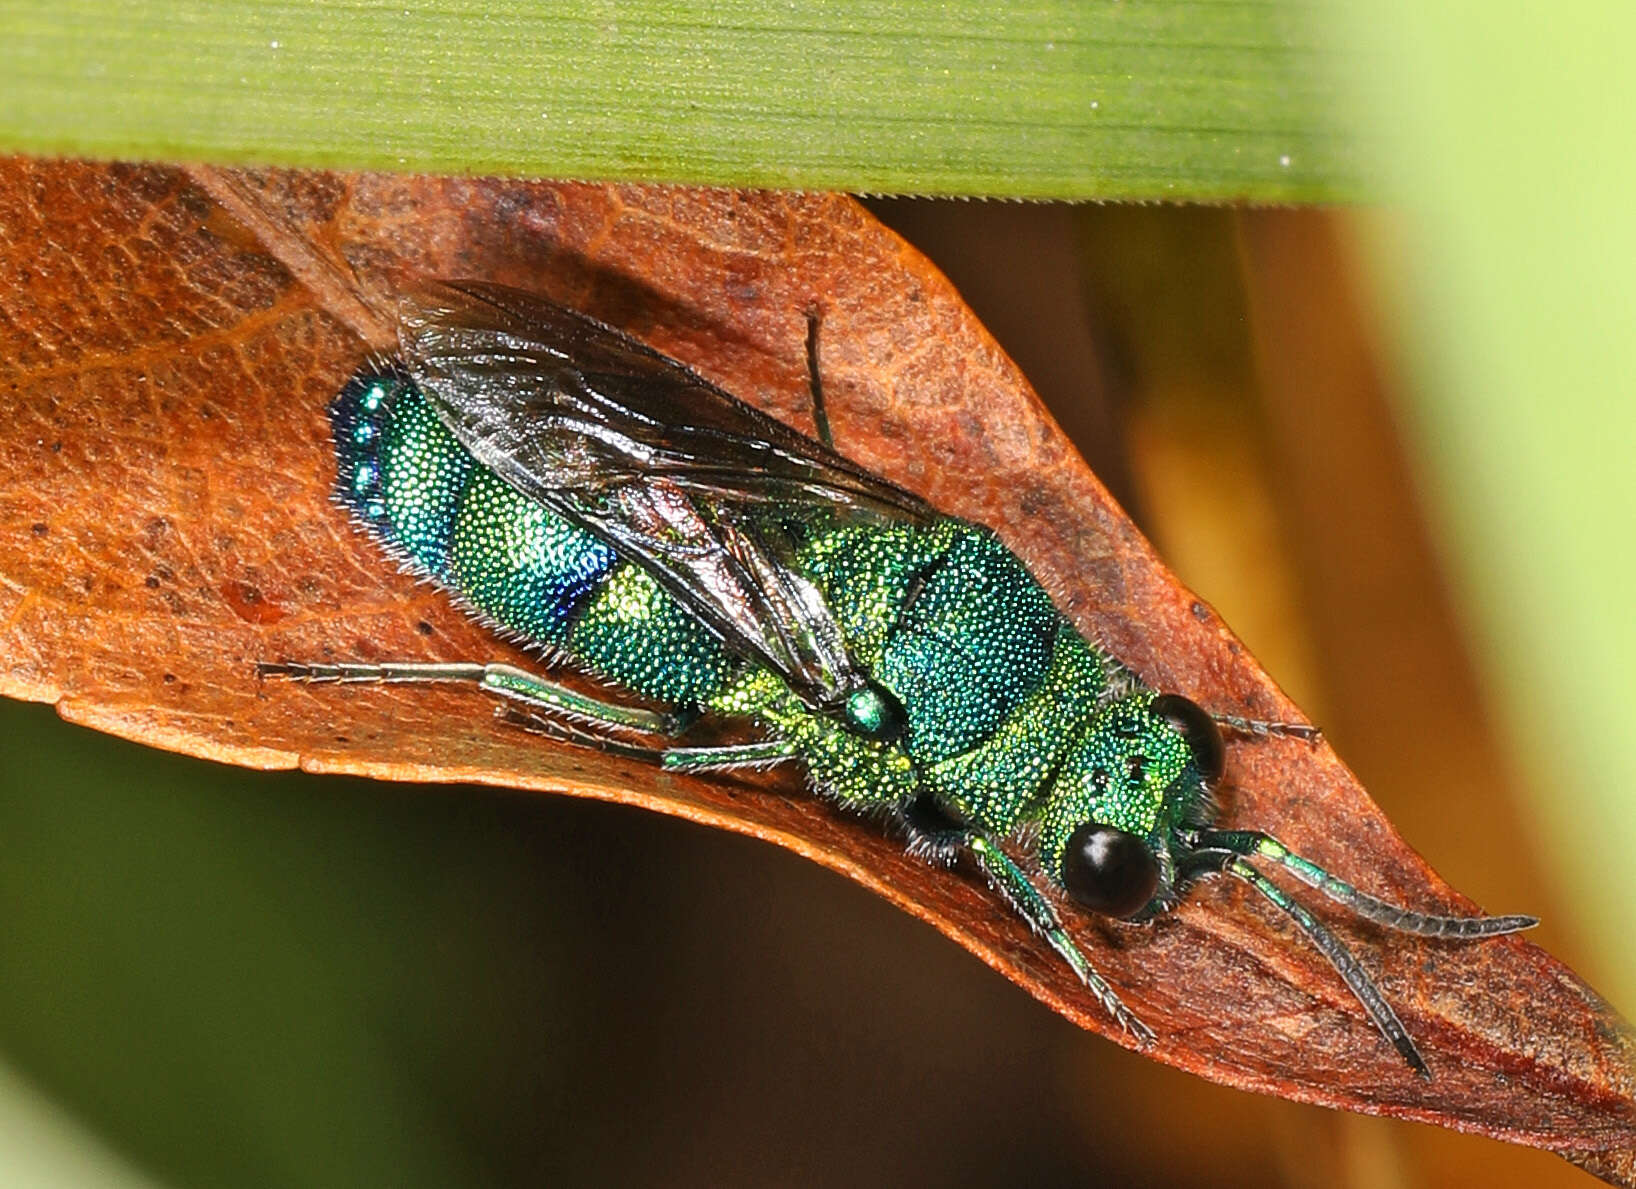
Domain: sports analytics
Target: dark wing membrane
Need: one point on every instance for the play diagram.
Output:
(663, 465)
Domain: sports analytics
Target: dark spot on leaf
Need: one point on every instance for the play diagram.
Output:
(249, 604)
(39, 528)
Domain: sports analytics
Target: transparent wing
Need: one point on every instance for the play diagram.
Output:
(676, 474)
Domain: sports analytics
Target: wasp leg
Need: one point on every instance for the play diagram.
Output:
(566, 732)
(719, 759)
(1261, 729)
(938, 838)
(1008, 879)
(815, 385)
(934, 835)
(500, 680)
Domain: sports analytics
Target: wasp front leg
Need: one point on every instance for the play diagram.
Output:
(936, 837)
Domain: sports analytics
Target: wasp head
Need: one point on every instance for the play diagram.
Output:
(1137, 775)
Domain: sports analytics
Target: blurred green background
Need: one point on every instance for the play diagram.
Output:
(1390, 444)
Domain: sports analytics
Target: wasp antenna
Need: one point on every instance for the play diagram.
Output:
(815, 383)
(1252, 843)
(1262, 728)
(1345, 962)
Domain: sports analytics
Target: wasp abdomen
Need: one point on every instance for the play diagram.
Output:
(530, 571)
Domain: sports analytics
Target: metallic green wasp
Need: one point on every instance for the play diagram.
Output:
(602, 504)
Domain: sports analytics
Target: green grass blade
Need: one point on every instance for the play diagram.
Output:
(1055, 98)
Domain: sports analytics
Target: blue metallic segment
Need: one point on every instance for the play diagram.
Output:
(517, 562)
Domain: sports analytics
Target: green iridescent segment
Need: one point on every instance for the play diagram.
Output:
(524, 567)
(946, 617)
(422, 479)
(866, 573)
(631, 631)
(975, 643)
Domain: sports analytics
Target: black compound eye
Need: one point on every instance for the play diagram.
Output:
(1198, 728)
(1109, 871)
(872, 711)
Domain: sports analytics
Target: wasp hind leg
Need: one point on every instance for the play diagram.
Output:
(536, 703)
(571, 733)
(763, 754)
(545, 708)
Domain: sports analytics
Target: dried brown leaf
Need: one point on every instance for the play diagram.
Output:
(170, 339)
